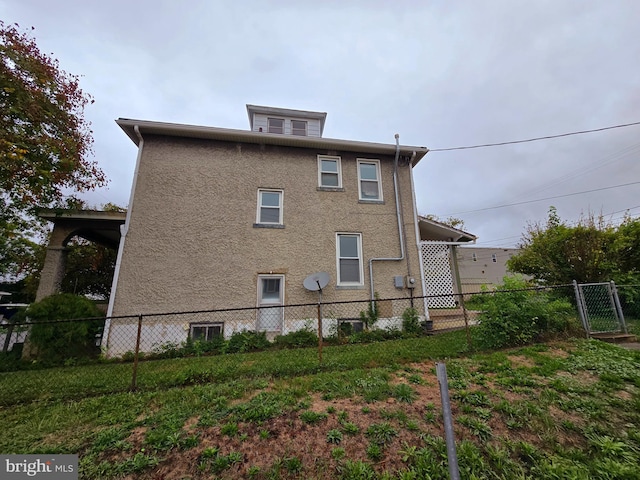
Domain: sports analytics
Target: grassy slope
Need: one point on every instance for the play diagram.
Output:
(550, 411)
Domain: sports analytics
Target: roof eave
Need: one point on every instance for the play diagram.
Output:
(261, 138)
(456, 233)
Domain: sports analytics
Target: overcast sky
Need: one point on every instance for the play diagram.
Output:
(440, 73)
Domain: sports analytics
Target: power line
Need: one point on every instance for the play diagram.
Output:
(543, 199)
(491, 242)
(534, 139)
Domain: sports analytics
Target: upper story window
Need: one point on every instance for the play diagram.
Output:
(329, 172)
(269, 207)
(299, 127)
(349, 258)
(474, 257)
(494, 258)
(275, 125)
(369, 179)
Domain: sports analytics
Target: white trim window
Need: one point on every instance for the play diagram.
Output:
(205, 332)
(269, 207)
(270, 303)
(494, 258)
(329, 172)
(275, 125)
(474, 257)
(349, 259)
(370, 185)
(299, 127)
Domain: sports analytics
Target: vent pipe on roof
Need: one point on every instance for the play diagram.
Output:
(399, 218)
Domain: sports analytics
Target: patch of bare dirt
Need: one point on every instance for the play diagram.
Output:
(521, 361)
(264, 445)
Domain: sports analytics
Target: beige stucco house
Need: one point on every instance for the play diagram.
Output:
(480, 266)
(222, 218)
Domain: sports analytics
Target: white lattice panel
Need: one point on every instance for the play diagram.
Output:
(436, 263)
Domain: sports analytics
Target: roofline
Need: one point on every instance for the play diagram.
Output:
(53, 214)
(261, 138)
(286, 112)
(448, 227)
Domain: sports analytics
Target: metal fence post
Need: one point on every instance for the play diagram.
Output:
(618, 307)
(454, 471)
(134, 378)
(580, 306)
(319, 332)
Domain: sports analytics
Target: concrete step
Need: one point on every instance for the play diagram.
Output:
(615, 337)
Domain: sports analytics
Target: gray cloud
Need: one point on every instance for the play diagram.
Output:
(440, 74)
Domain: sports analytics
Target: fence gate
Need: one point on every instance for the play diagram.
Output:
(599, 308)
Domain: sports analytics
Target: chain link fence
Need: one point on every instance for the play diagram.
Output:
(120, 357)
(630, 306)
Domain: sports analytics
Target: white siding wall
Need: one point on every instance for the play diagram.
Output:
(260, 121)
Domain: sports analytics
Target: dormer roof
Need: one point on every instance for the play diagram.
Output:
(286, 113)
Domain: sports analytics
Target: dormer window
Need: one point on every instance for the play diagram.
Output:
(275, 125)
(299, 127)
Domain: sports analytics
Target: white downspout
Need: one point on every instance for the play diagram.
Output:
(124, 229)
(399, 217)
(418, 240)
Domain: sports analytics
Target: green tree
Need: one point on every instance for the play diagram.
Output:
(516, 315)
(89, 269)
(44, 144)
(90, 266)
(556, 253)
(452, 222)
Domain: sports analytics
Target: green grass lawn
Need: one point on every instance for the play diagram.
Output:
(563, 410)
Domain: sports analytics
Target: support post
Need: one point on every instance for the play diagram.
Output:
(580, 306)
(320, 330)
(454, 471)
(618, 307)
(7, 339)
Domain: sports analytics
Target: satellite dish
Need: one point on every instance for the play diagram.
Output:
(316, 281)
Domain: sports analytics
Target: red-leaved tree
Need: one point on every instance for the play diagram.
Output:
(45, 143)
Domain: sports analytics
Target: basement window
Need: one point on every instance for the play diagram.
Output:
(205, 332)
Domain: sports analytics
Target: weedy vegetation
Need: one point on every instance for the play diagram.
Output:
(559, 410)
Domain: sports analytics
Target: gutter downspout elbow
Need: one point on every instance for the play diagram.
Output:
(399, 219)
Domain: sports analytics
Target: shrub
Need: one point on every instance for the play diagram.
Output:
(370, 317)
(53, 341)
(205, 347)
(411, 322)
(247, 341)
(300, 338)
(517, 315)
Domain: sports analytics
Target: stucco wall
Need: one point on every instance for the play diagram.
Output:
(192, 243)
(483, 270)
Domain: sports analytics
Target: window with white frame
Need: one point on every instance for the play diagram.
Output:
(494, 258)
(275, 125)
(474, 257)
(329, 171)
(205, 332)
(269, 207)
(349, 258)
(298, 127)
(270, 301)
(369, 179)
